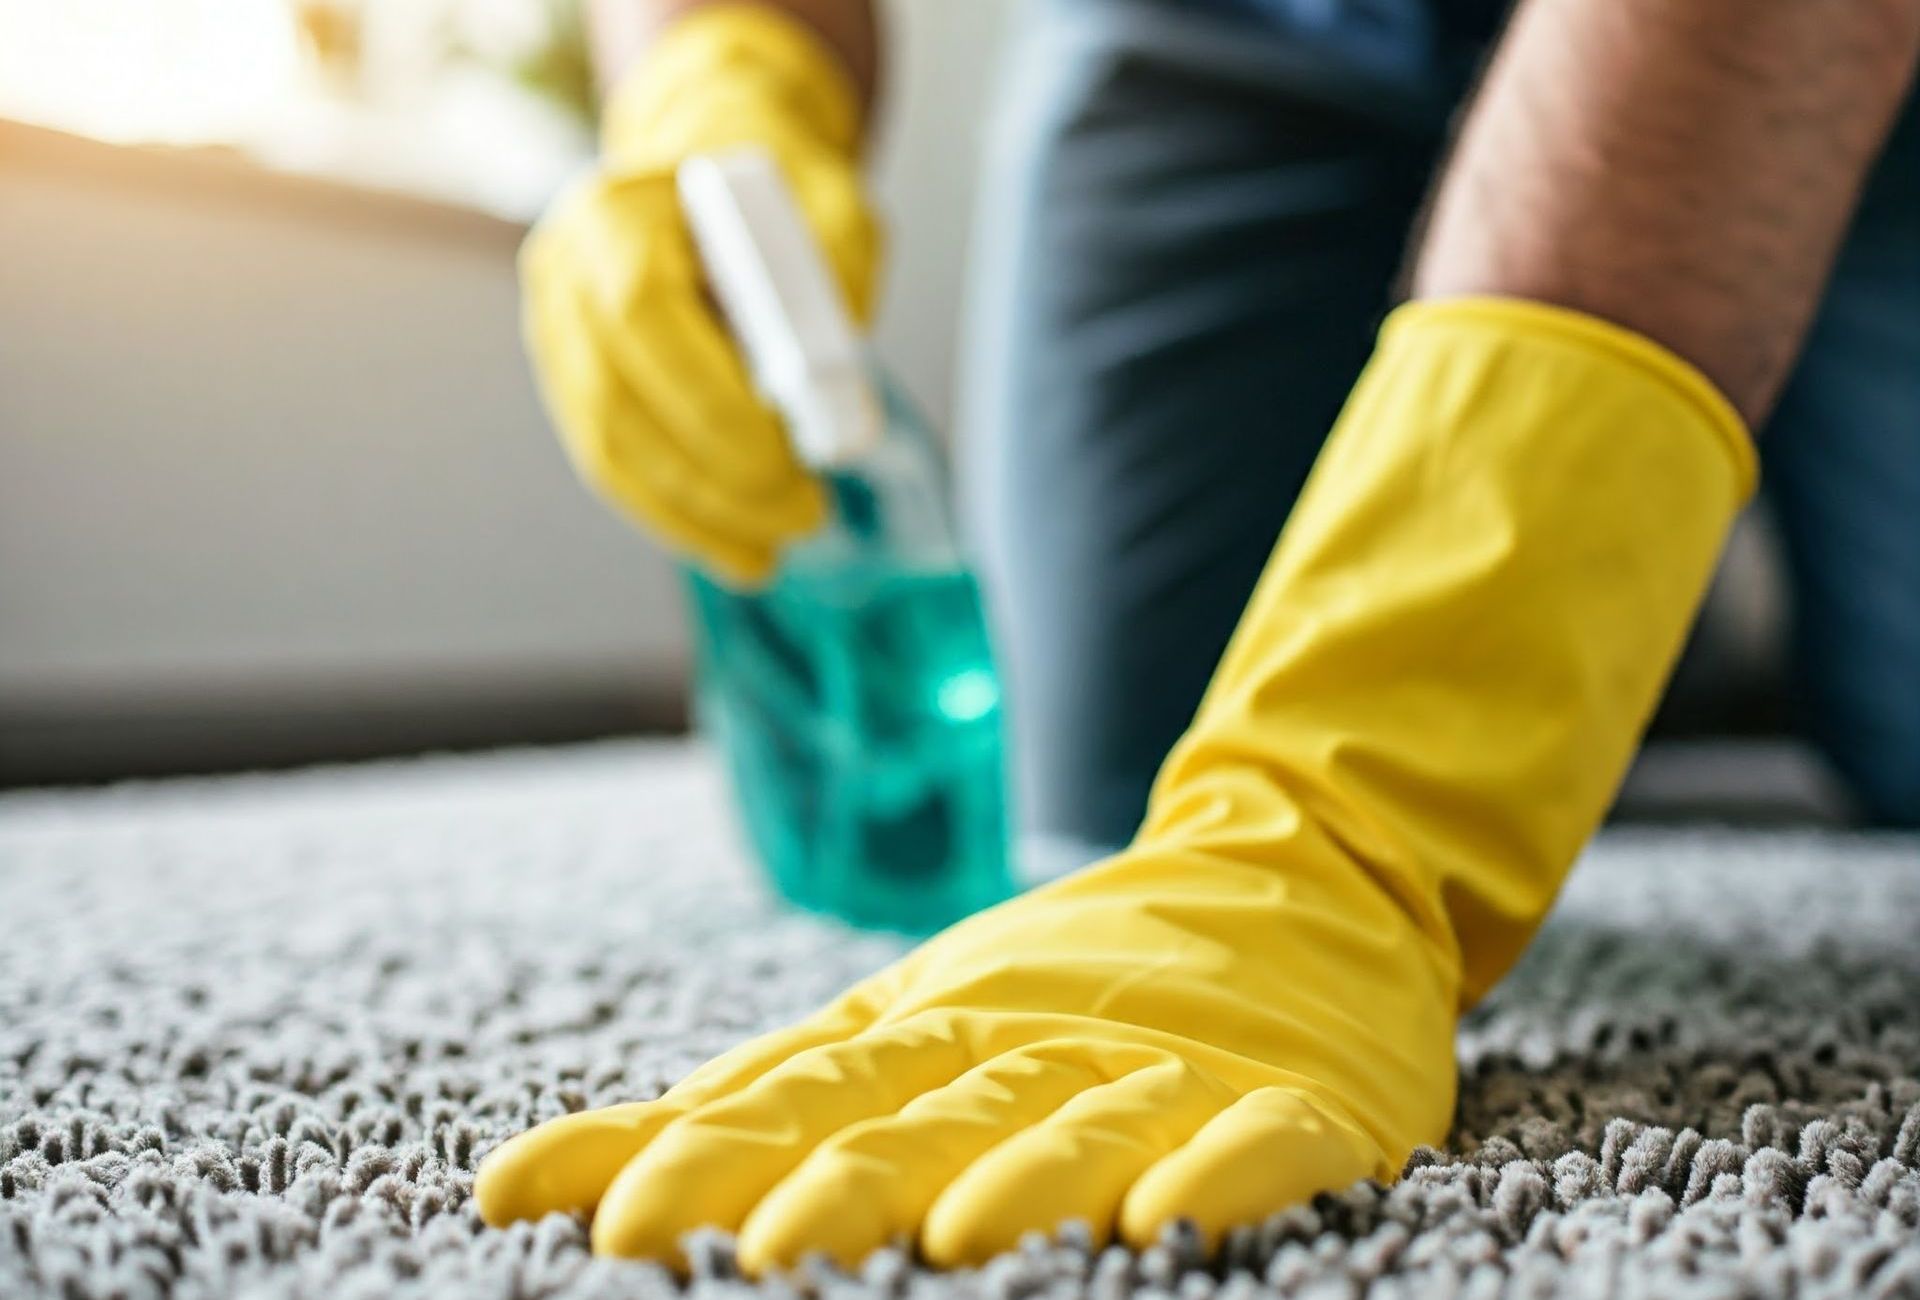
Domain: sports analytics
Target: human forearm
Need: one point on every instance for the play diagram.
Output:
(1685, 170)
(622, 29)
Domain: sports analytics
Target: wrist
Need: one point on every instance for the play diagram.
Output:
(728, 74)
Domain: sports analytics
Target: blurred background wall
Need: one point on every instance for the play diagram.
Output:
(274, 484)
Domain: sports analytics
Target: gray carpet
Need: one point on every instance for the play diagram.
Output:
(254, 1034)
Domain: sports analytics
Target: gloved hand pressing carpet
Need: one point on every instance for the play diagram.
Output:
(1425, 712)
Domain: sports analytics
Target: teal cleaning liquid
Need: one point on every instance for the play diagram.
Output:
(857, 707)
(854, 699)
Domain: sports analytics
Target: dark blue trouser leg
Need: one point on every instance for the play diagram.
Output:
(1842, 457)
(1181, 273)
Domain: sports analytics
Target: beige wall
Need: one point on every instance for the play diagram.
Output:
(269, 457)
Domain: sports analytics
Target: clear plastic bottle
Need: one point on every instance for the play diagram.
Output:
(854, 698)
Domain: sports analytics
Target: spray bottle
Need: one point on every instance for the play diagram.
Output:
(854, 699)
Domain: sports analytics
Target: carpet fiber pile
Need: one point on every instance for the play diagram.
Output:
(255, 1033)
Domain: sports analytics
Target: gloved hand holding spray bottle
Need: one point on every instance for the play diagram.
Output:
(855, 697)
(843, 664)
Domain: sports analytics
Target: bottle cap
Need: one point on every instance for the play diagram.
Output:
(781, 303)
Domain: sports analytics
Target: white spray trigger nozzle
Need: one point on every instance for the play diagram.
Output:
(781, 303)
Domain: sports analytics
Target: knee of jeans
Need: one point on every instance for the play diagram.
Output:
(1893, 799)
(1884, 776)
(1861, 684)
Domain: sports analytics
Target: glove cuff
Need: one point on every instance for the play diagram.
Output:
(687, 94)
(1543, 322)
(1468, 620)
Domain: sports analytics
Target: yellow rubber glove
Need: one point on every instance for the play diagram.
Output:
(1421, 719)
(648, 392)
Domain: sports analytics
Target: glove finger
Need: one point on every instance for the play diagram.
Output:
(874, 1181)
(1076, 1164)
(628, 250)
(738, 562)
(1274, 1148)
(845, 1017)
(619, 450)
(675, 354)
(565, 1164)
(780, 505)
(713, 1166)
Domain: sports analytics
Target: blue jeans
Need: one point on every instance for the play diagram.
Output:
(1192, 228)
